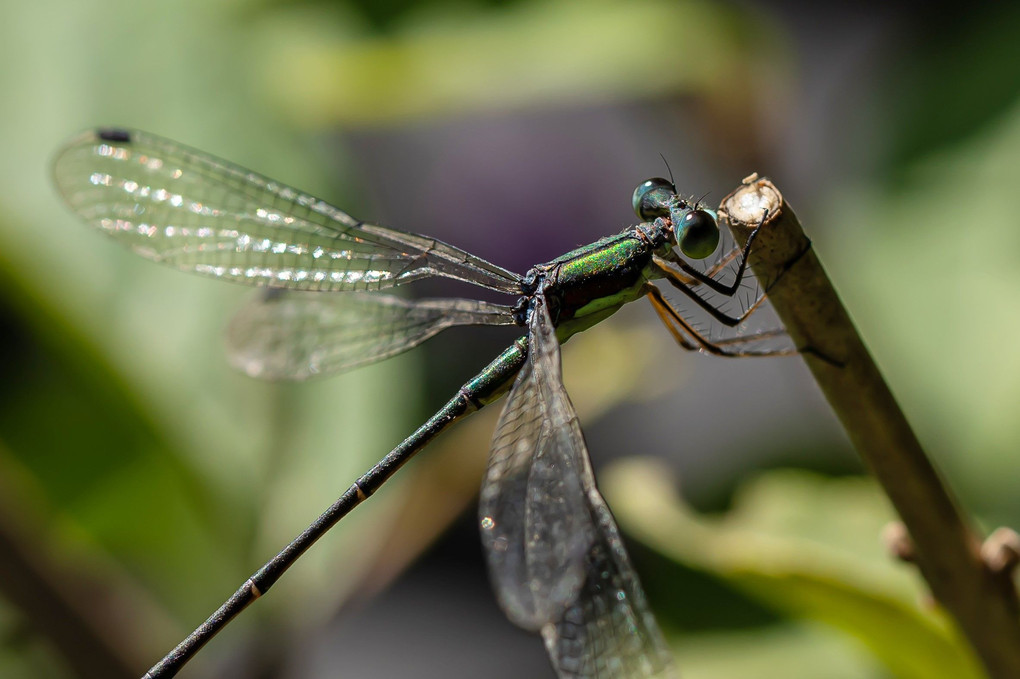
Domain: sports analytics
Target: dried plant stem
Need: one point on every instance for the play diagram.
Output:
(946, 547)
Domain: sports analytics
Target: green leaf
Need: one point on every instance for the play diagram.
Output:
(809, 547)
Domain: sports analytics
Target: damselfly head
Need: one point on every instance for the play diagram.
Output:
(695, 230)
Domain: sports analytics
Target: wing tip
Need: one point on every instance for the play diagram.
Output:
(114, 134)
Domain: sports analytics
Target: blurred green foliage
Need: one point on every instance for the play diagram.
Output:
(452, 60)
(943, 251)
(805, 546)
(947, 93)
(144, 465)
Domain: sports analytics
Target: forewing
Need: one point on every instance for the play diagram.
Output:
(297, 335)
(554, 551)
(185, 208)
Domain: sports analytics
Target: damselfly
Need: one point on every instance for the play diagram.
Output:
(555, 556)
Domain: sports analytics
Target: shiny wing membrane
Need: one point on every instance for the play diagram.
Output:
(285, 335)
(555, 555)
(180, 206)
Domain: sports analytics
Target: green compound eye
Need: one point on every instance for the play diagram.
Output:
(697, 233)
(651, 199)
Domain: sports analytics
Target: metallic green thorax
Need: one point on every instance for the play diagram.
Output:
(585, 286)
(591, 283)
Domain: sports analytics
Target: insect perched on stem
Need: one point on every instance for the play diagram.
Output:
(555, 556)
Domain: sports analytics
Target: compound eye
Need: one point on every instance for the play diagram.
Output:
(697, 233)
(651, 199)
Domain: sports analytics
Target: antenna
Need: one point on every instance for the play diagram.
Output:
(670, 170)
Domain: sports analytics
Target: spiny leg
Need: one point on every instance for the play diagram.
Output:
(678, 281)
(690, 278)
(671, 318)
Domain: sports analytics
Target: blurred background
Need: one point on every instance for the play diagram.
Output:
(141, 480)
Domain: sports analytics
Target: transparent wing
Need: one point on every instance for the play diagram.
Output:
(193, 211)
(608, 632)
(280, 334)
(532, 506)
(555, 555)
